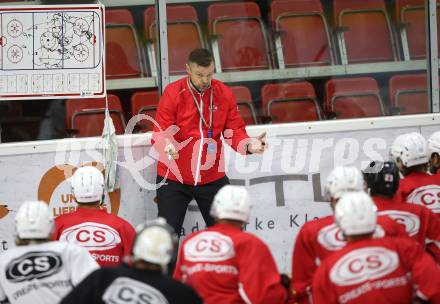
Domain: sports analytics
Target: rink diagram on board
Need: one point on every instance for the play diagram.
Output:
(52, 51)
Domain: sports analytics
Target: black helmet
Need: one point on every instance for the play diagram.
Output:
(382, 178)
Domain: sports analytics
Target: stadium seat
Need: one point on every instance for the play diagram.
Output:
(290, 102)
(409, 93)
(85, 117)
(239, 38)
(302, 34)
(353, 98)
(145, 102)
(123, 54)
(181, 19)
(410, 16)
(245, 105)
(364, 31)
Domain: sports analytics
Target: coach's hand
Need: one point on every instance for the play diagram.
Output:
(171, 151)
(258, 144)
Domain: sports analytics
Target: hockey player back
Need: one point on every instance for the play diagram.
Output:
(107, 237)
(38, 270)
(368, 270)
(141, 281)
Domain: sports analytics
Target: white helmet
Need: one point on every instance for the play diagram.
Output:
(410, 148)
(232, 203)
(341, 180)
(87, 184)
(155, 243)
(355, 213)
(434, 143)
(33, 221)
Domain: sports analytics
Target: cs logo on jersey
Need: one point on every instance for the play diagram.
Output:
(92, 236)
(409, 220)
(126, 290)
(210, 247)
(33, 265)
(363, 264)
(428, 196)
(331, 238)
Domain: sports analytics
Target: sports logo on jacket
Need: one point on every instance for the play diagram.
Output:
(409, 220)
(92, 236)
(331, 238)
(428, 196)
(209, 246)
(125, 290)
(33, 265)
(363, 264)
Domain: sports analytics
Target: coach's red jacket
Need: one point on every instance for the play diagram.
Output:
(196, 165)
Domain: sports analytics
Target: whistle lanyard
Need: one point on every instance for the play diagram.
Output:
(199, 109)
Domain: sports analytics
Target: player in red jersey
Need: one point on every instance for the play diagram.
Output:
(370, 270)
(410, 153)
(107, 237)
(227, 265)
(420, 223)
(320, 238)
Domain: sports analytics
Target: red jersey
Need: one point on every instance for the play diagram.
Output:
(316, 241)
(107, 237)
(421, 189)
(226, 265)
(199, 162)
(420, 222)
(377, 271)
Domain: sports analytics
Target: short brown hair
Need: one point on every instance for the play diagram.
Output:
(202, 57)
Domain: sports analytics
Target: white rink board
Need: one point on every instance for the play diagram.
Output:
(52, 51)
(285, 183)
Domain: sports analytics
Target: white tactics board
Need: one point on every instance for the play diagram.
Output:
(49, 51)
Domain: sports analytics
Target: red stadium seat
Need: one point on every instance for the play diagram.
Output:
(353, 97)
(240, 36)
(410, 15)
(409, 93)
(86, 116)
(302, 33)
(290, 102)
(244, 104)
(119, 16)
(364, 30)
(145, 103)
(181, 19)
(123, 55)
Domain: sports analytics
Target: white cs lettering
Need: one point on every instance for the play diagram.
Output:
(39, 264)
(42, 263)
(25, 267)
